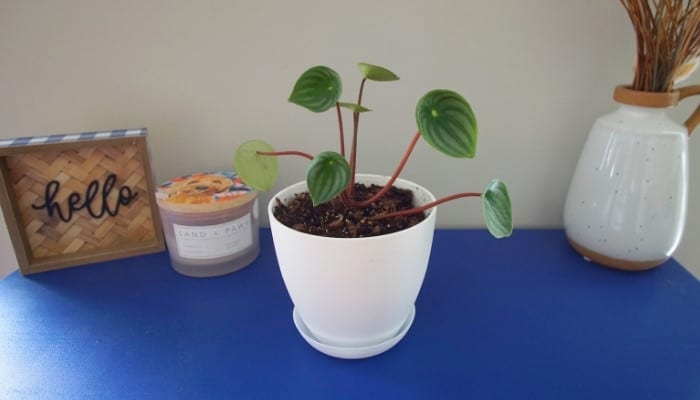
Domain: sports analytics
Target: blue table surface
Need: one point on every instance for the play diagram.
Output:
(523, 317)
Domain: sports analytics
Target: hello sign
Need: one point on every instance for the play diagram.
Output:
(75, 199)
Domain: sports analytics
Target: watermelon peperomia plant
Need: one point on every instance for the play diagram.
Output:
(444, 118)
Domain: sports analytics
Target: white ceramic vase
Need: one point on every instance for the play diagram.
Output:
(626, 204)
(354, 298)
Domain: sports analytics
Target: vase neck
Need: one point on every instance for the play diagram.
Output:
(660, 100)
(643, 112)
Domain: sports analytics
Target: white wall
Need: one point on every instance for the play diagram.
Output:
(205, 75)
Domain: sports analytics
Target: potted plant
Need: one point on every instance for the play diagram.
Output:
(353, 248)
(627, 200)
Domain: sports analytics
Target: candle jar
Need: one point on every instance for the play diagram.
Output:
(210, 221)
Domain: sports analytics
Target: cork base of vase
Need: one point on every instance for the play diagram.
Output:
(612, 262)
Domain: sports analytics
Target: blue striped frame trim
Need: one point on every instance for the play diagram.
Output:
(71, 137)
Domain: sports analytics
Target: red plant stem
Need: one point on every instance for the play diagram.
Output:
(362, 89)
(286, 153)
(345, 200)
(428, 206)
(395, 176)
(340, 126)
(355, 130)
(353, 152)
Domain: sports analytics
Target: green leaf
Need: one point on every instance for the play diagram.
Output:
(328, 175)
(317, 89)
(376, 73)
(257, 171)
(447, 122)
(497, 209)
(354, 107)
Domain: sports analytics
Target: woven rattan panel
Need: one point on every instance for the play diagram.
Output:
(75, 170)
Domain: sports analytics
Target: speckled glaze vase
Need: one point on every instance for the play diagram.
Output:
(626, 204)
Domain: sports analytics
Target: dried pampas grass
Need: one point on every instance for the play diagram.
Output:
(668, 41)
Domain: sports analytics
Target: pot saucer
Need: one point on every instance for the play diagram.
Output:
(352, 352)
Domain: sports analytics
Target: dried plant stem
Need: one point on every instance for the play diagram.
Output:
(668, 36)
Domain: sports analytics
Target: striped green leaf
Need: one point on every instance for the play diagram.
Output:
(257, 171)
(317, 89)
(328, 175)
(376, 73)
(447, 122)
(497, 209)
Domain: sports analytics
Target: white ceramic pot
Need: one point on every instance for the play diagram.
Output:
(626, 205)
(354, 298)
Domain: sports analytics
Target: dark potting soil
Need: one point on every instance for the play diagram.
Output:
(334, 220)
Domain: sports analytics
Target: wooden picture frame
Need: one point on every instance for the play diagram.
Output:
(75, 199)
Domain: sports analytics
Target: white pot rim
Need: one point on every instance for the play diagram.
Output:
(402, 183)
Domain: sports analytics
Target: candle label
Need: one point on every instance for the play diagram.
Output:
(214, 241)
